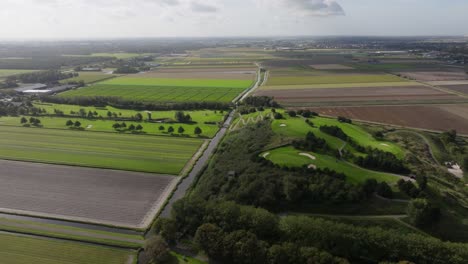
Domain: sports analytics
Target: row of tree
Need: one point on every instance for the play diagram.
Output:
(117, 102)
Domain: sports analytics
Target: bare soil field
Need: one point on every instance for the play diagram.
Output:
(457, 88)
(330, 67)
(230, 75)
(426, 76)
(118, 198)
(430, 117)
(340, 85)
(408, 93)
(316, 59)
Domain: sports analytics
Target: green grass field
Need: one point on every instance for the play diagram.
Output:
(158, 94)
(70, 233)
(165, 90)
(206, 83)
(154, 154)
(288, 156)
(105, 125)
(199, 117)
(332, 79)
(27, 250)
(120, 55)
(6, 73)
(89, 77)
(298, 128)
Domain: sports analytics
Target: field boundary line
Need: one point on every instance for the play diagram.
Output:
(254, 87)
(394, 126)
(45, 237)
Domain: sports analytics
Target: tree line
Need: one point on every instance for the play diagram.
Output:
(117, 102)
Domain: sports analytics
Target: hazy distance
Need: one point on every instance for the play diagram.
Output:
(63, 19)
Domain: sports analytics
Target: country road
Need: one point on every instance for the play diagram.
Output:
(203, 160)
(187, 182)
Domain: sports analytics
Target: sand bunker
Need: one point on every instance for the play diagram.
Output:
(266, 154)
(283, 125)
(312, 166)
(308, 155)
(385, 145)
(456, 171)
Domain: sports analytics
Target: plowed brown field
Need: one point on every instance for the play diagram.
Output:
(430, 117)
(127, 199)
(367, 94)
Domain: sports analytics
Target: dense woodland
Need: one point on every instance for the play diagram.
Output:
(232, 216)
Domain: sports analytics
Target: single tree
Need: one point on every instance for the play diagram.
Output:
(156, 251)
(139, 117)
(69, 123)
(161, 128)
(24, 120)
(131, 127)
(77, 124)
(139, 128)
(422, 213)
(181, 130)
(384, 190)
(123, 125)
(170, 130)
(116, 126)
(109, 114)
(197, 131)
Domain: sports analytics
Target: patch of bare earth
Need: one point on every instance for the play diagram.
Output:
(458, 88)
(436, 75)
(110, 197)
(404, 93)
(430, 117)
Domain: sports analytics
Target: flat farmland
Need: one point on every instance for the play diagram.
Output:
(166, 89)
(89, 77)
(457, 88)
(430, 117)
(16, 249)
(332, 79)
(118, 198)
(153, 154)
(208, 83)
(6, 73)
(426, 76)
(227, 75)
(366, 94)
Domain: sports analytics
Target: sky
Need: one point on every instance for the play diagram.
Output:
(91, 19)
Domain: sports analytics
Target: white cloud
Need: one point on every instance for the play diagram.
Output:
(306, 7)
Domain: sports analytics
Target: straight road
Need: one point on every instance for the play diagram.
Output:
(187, 182)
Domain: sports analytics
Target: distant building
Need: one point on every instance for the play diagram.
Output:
(43, 89)
(31, 86)
(91, 69)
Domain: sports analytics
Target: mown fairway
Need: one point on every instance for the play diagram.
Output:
(94, 149)
(26, 250)
(103, 125)
(166, 90)
(288, 156)
(297, 127)
(333, 79)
